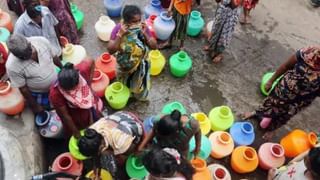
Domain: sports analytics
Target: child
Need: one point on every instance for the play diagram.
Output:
(248, 5)
(165, 164)
(174, 131)
(305, 166)
(180, 10)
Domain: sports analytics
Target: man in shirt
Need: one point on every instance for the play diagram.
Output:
(38, 21)
(31, 68)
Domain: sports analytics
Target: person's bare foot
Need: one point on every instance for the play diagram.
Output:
(206, 48)
(247, 115)
(244, 21)
(182, 48)
(164, 45)
(268, 136)
(217, 59)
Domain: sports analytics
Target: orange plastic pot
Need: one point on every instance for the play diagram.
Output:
(202, 172)
(244, 159)
(11, 100)
(107, 64)
(297, 142)
(100, 82)
(5, 20)
(222, 144)
(66, 163)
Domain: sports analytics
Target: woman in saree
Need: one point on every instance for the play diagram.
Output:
(130, 41)
(62, 11)
(225, 19)
(299, 86)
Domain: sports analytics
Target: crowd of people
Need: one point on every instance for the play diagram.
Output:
(35, 50)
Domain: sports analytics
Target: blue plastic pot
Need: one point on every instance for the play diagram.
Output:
(242, 133)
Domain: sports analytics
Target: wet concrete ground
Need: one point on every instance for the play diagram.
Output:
(278, 28)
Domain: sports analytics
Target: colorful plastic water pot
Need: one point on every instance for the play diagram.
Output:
(105, 175)
(74, 149)
(202, 172)
(242, 133)
(100, 82)
(135, 168)
(195, 23)
(78, 15)
(222, 144)
(104, 27)
(219, 172)
(5, 20)
(153, 8)
(168, 108)
(271, 155)
(113, 7)
(4, 34)
(157, 61)
(66, 163)
(107, 64)
(73, 53)
(164, 26)
(149, 23)
(117, 95)
(205, 148)
(298, 141)
(266, 77)
(204, 122)
(244, 159)
(49, 125)
(180, 64)
(11, 100)
(221, 118)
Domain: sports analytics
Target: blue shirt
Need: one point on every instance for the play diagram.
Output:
(28, 28)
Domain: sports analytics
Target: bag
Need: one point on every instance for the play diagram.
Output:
(16, 6)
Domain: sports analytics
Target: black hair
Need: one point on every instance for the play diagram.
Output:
(159, 162)
(169, 124)
(89, 144)
(27, 3)
(314, 157)
(129, 11)
(68, 77)
(33, 12)
(198, 2)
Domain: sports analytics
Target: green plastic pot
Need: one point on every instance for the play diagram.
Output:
(195, 23)
(168, 108)
(4, 34)
(205, 149)
(180, 64)
(221, 118)
(135, 168)
(78, 15)
(117, 95)
(74, 149)
(265, 78)
(57, 68)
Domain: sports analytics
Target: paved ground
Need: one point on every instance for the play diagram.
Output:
(278, 29)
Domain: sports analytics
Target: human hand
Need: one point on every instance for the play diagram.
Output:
(169, 13)
(123, 30)
(76, 134)
(268, 86)
(196, 151)
(144, 28)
